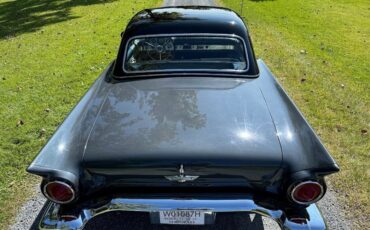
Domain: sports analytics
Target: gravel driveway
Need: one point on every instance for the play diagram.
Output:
(30, 212)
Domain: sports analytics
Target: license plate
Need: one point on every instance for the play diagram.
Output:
(183, 217)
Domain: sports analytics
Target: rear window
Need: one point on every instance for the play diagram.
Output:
(171, 53)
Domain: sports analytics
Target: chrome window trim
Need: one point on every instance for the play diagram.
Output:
(188, 74)
(187, 70)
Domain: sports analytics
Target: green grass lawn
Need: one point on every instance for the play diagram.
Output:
(50, 53)
(320, 52)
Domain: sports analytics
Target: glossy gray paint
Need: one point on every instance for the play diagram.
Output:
(62, 155)
(152, 126)
(302, 148)
(214, 126)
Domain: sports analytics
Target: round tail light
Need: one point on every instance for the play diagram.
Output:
(59, 192)
(307, 192)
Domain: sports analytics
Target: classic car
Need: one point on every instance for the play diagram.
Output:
(184, 125)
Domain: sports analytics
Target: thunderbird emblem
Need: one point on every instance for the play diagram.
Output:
(181, 178)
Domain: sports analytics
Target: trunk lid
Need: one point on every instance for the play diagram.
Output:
(219, 129)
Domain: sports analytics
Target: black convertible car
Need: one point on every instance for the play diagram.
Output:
(183, 125)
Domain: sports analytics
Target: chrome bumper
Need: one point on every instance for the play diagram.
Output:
(52, 220)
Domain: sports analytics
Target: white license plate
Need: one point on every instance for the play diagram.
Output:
(183, 217)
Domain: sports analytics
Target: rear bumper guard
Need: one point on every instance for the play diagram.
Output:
(312, 219)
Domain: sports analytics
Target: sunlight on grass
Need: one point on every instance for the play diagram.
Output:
(50, 53)
(319, 50)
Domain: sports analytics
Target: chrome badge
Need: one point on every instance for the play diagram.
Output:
(181, 178)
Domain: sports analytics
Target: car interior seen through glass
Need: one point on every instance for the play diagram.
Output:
(147, 54)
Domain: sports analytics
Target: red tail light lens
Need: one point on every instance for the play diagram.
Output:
(59, 192)
(68, 217)
(307, 192)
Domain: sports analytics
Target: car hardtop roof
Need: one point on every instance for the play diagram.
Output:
(186, 20)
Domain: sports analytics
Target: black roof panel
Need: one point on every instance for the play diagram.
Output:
(187, 19)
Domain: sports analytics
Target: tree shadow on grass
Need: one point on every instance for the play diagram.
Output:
(24, 16)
